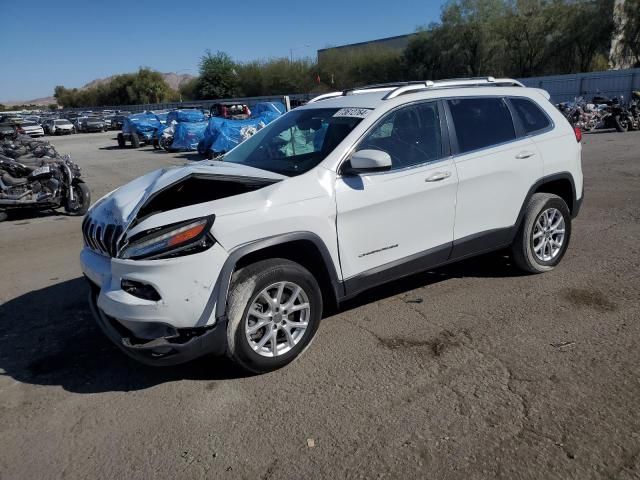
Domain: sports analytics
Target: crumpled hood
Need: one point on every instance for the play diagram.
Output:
(121, 205)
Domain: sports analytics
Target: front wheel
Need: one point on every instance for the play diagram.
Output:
(275, 307)
(81, 199)
(544, 234)
(135, 140)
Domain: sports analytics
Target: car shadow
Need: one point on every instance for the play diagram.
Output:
(50, 338)
(24, 215)
(191, 156)
(113, 147)
(491, 265)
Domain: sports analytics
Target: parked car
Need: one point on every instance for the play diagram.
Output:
(139, 129)
(31, 128)
(92, 124)
(231, 110)
(7, 129)
(117, 121)
(59, 127)
(345, 193)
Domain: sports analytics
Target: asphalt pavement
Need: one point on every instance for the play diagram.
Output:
(471, 371)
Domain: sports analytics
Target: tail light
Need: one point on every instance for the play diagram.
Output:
(20, 130)
(578, 133)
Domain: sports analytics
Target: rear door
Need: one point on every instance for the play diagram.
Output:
(496, 168)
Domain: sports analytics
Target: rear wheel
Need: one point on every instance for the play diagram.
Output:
(274, 311)
(121, 142)
(544, 234)
(3, 216)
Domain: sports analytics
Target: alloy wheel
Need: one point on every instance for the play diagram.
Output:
(277, 319)
(548, 234)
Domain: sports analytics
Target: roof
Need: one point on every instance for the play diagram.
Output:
(392, 94)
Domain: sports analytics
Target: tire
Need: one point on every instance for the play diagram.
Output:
(121, 142)
(83, 200)
(246, 286)
(622, 125)
(135, 140)
(524, 249)
(3, 216)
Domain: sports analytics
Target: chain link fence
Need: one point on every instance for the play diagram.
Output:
(565, 88)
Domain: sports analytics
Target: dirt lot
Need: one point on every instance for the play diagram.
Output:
(470, 371)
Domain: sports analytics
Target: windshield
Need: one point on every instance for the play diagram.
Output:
(63, 122)
(296, 142)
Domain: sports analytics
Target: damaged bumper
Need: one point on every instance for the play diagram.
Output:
(163, 351)
(178, 324)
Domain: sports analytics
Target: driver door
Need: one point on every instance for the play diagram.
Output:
(400, 221)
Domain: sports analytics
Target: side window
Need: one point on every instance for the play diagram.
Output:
(410, 135)
(531, 116)
(481, 122)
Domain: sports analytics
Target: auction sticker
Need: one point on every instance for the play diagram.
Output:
(352, 112)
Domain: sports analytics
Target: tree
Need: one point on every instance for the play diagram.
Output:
(469, 30)
(630, 31)
(360, 66)
(144, 86)
(218, 76)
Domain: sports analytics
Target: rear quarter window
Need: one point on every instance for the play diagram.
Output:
(481, 122)
(531, 116)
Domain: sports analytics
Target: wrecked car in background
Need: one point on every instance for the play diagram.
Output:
(138, 129)
(222, 133)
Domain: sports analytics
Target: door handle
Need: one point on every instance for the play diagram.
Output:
(436, 177)
(522, 155)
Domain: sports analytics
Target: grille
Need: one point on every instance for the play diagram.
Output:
(100, 237)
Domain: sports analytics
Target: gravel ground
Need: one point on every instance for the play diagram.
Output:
(470, 371)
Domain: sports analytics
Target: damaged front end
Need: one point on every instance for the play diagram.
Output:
(107, 224)
(150, 293)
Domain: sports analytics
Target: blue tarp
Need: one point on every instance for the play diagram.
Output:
(185, 116)
(187, 135)
(274, 107)
(222, 134)
(143, 124)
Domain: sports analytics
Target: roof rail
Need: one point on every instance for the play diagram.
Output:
(454, 83)
(324, 96)
(396, 89)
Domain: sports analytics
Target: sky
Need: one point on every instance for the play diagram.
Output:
(71, 42)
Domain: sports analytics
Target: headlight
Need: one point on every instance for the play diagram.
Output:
(174, 240)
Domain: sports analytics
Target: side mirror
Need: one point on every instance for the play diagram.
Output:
(365, 161)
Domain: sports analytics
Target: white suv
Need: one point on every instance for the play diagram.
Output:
(352, 190)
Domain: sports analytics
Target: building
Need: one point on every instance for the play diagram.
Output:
(398, 43)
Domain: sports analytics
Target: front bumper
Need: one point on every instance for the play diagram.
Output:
(175, 329)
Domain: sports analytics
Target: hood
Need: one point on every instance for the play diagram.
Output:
(172, 188)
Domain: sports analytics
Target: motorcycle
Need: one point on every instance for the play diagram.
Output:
(581, 114)
(34, 176)
(615, 115)
(164, 138)
(634, 111)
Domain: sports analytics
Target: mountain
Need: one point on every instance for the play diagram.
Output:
(174, 80)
